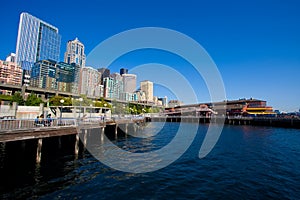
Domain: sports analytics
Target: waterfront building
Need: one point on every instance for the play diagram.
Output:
(245, 107)
(89, 82)
(123, 71)
(10, 73)
(147, 87)
(37, 40)
(175, 103)
(75, 53)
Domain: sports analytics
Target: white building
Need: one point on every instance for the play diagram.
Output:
(75, 53)
(113, 86)
(129, 81)
(147, 87)
(11, 58)
(89, 82)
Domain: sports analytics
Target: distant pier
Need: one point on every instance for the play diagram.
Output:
(255, 121)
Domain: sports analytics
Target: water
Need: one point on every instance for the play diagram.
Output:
(247, 163)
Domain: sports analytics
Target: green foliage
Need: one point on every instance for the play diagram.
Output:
(101, 103)
(5, 97)
(55, 101)
(85, 101)
(17, 97)
(33, 100)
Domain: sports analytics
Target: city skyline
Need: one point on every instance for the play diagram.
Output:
(255, 45)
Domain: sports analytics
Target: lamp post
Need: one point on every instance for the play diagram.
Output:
(80, 102)
(61, 106)
(104, 111)
(91, 111)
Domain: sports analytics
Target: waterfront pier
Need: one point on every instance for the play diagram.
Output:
(14, 130)
(255, 121)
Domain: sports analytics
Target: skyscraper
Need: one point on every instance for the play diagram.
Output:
(75, 53)
(147, 87)
(123, 71)
(89, 82)
(54, 75)
(37, 40)
(129, 81)
(105, 72)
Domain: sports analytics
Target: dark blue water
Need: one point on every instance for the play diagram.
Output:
(247, 163)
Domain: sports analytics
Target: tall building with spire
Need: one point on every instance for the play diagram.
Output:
(37, 40)
(75, 53)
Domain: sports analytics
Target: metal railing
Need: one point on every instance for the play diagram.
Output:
(15, 124)
(25, 124)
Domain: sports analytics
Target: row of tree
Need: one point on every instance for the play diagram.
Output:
(33, 100)
(116, 107)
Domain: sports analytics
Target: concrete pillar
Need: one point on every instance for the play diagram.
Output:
(59, 142)
(85, 137)
(39, 150)
(116, 130)
(14, 109)
(41, 110)
(126, 128)
(102, 134)
(77, 144)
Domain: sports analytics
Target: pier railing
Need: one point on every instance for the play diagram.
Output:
(19, 124)
(13, 124)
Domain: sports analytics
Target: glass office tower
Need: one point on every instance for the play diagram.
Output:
(37, 40)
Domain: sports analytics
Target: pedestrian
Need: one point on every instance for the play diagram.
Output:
(48, 120)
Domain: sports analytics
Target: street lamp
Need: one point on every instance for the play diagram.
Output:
(80, 101)
(91, 111)
(61, 106)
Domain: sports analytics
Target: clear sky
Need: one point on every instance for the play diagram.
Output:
(255, 44)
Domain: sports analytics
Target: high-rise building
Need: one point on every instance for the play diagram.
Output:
(123, 71)
(68, 77)
(147, 87)
(37, 40)
(44, 75)
(51, 75)
(75, 53)
(10, 73)
(105, 72)
(11, 57)
(89, 82)
(113, 86)
(129, 81)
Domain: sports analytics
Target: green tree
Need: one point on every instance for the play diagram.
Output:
(17, 97)
(55, 101)
(33, 100)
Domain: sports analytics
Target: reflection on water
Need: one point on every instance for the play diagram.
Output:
(247, 162)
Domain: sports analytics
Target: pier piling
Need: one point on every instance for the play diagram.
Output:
(39, 150)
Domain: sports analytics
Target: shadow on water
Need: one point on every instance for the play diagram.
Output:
(22, 177)
(247, 162)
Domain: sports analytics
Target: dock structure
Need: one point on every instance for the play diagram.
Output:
(255, 121)
(13, 130)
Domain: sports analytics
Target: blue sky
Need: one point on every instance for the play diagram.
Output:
(255, 44)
